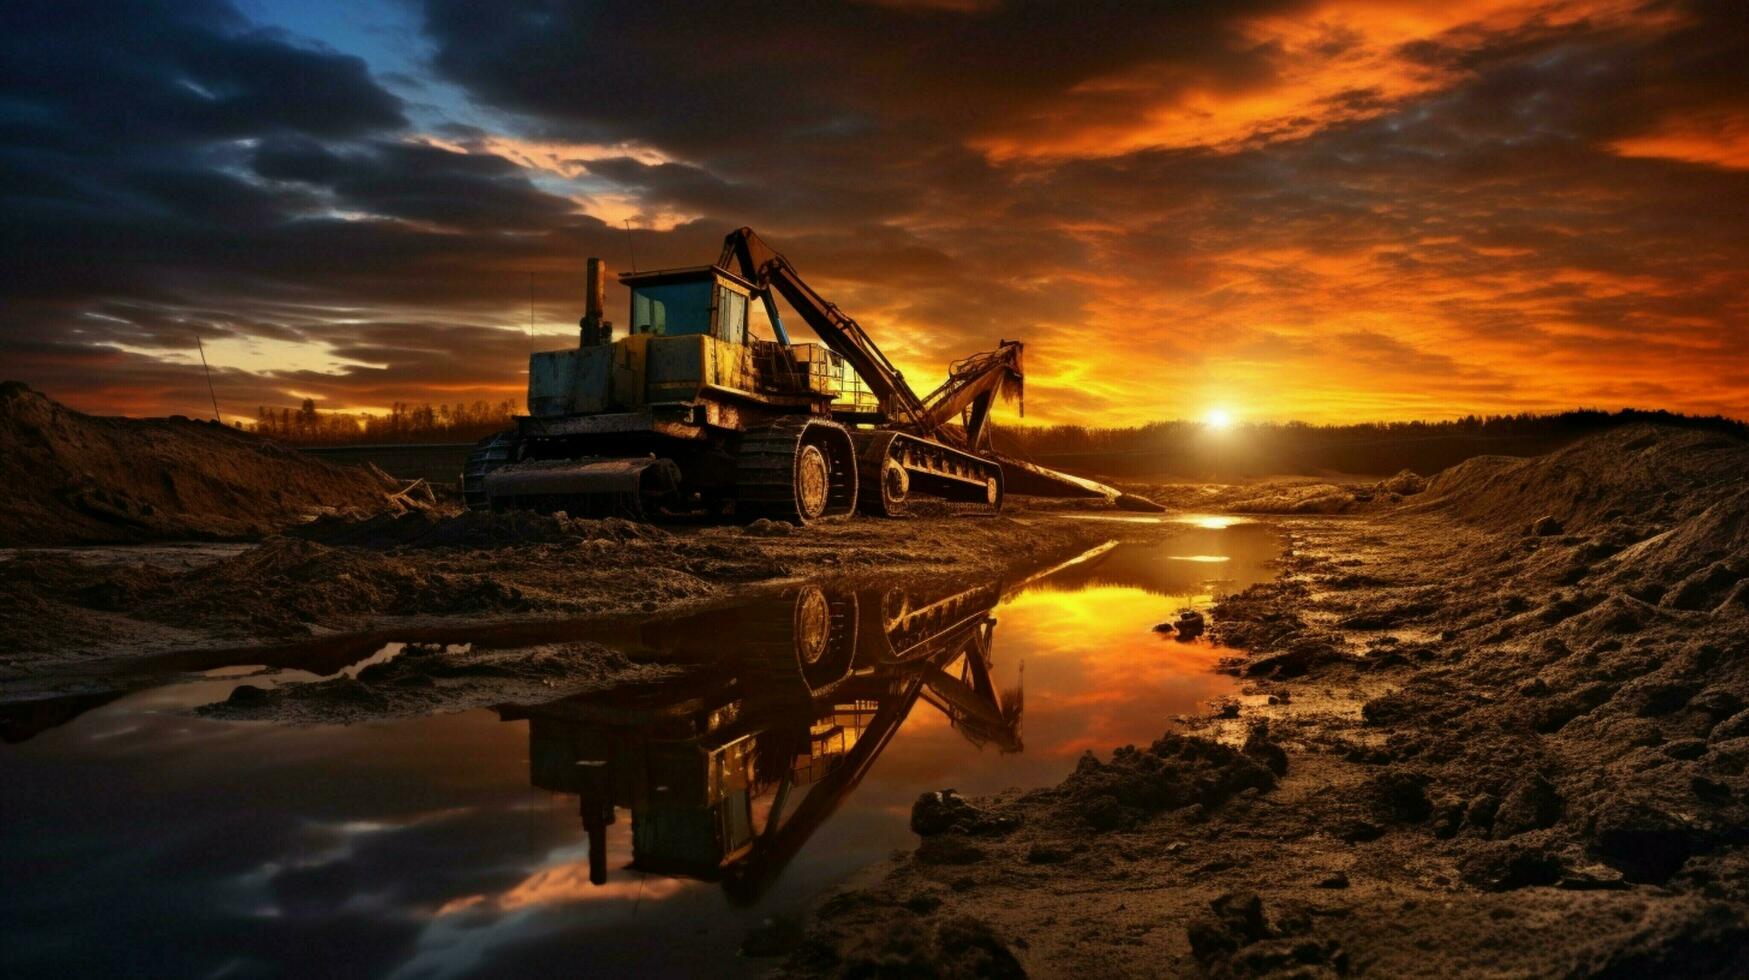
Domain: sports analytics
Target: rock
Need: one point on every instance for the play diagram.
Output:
(1259, 747)
(1406, 483)
(1190, 624)
(1480, 810)
(1531, 804)
(1398, 796)
(1652, 700)
(1736, 726)
(766, 528)
(1685, 748)
(1237, 921)
(1505, 867)
(1717, 703)
(1239, 938)
(1448, 819)
(1594, 877)
(1554, 714)
(1173, 773)
(1294, 661)
(1545, 526)
(1107, 813)
(1704, 589)
(949, 849)
(945, 810)
(247, 694)
(1228, 709)
(1336, 880)
(937, 812)
(1644, 843)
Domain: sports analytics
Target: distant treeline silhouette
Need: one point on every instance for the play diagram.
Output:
(308, 426)
(1196, 451)
(1190, 450)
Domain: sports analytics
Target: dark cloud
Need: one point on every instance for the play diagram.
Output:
(1302, 205)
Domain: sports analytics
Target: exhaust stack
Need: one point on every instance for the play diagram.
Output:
(595, 330)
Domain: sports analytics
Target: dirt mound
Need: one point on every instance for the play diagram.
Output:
(472, 529)
(1651, 474)
(73, 478)
(286, 586)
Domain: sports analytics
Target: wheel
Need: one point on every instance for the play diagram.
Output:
(811, 479)
(797, 470)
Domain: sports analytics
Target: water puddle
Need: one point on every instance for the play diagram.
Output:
(638, 830)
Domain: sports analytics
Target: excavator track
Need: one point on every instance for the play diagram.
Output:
(488, 454)
(895, 464)
(796, 469)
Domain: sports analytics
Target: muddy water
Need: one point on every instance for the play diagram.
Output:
(645, 830)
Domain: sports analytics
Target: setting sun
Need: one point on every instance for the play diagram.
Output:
(1218, 418)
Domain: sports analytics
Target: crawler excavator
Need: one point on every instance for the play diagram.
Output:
(689, 412)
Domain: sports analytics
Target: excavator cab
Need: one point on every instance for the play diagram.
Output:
(705, 300)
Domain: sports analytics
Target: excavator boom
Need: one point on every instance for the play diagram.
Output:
(968, 392)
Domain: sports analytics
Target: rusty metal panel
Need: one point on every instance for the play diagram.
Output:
(551, 381)
(628, 371)
(592, 384)
(675, 367)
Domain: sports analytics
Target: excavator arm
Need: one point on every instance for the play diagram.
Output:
(747, 255)
(971, 387)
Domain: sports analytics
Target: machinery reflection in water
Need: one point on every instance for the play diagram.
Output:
(727, 775)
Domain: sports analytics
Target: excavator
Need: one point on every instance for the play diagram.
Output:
(689, 412)
(727, 774)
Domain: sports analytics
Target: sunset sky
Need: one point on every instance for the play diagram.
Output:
(1331, 210)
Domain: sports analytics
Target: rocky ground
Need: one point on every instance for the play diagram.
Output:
(1495, 728)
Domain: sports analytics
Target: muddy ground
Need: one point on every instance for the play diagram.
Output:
(76, 620)
(1497, 728)
(1493, 723)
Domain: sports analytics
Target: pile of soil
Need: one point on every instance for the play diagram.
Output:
(73, 478)
(1507, 722)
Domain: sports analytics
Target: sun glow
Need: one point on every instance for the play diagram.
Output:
(1218, 418)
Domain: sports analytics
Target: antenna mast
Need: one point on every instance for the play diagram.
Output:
(209, 380)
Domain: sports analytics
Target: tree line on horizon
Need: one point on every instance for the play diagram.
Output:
(1194, 449)
(309, 426)
(1176, 448)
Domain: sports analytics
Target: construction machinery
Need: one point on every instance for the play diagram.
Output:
(728, 772)
(689, 412)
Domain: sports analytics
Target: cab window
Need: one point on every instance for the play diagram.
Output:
(672, 308)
